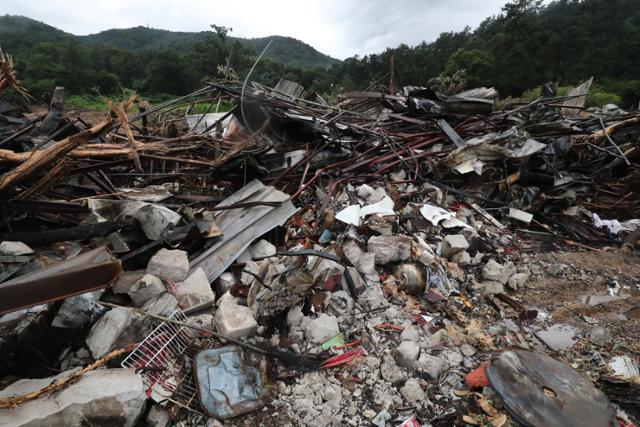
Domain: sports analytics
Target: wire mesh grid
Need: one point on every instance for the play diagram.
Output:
(164, 361)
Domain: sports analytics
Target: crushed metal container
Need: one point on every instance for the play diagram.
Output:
(230, 382)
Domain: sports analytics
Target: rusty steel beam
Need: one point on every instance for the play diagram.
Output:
(84, 273)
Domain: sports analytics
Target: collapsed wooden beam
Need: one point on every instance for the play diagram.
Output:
(38, 160)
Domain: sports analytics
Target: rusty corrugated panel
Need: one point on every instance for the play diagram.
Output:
(86, 272)
(581, 93)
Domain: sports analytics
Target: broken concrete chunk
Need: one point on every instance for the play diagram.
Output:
(161, 305)
(246, 278)
(367, 263)
(406, 354)
(410, 333)
(14, 248)
(352, 251)
(105, 333)
(390, 248)
(488, 288)
(294, 316)
(495, 271)
(391, 372)
(454, 244)
(518, 280)
(519, 215)
(79, 310)
(372, 297)
(112, 397)
(262, 249)
(126, 280)
(462, 258)
(468, 350)
(364, 191)
(338, 303)
(378, 194)
(244, 257)
(235, 321)
(169, 264)
(324, 267)
(322, 328)
(158, 417)
(412, 392)
(195, 291)
(155, 219)
(225, 282)
(227, 298)
(453, 357)
(431, 365)
(145, 289)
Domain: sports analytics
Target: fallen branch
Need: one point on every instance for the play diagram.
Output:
(38, 160)
(8, 79)
(120, 109)
(602, 135)
(12, 402)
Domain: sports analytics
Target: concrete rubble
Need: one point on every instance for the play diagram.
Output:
(168, 264)
(195, 291)
(102, 397)
(361, 294)
(235, 320)
(106, 332)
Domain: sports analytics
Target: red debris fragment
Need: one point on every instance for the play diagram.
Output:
(341, 359)
(477, 378)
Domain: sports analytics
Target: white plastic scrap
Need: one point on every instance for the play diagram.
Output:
(434, 214)
(471, 165)
(625, 367)
(384, 208)
(350, 215)
(354, 214)
(613, 225)
(455, 222)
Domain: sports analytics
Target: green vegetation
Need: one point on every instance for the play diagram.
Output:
(87, 102)
(598, 96)
(527, 44)
(146, 60)
(566, 41)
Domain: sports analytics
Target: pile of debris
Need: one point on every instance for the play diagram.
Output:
(389, 259)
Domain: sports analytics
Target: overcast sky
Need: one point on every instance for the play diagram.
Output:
(340, 28)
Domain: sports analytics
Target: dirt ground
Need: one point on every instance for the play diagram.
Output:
(574, 291)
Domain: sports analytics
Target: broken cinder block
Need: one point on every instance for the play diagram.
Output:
(390, 248)
(454, 244)
(172, 265)
(195, 291)
(235, 320)
(105, 333)
(145, 289)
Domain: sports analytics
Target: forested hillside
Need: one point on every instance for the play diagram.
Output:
(525, 45)
(145, 59)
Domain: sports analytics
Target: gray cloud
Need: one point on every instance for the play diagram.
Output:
(340, 28)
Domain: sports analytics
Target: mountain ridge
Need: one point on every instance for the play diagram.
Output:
(19, 33)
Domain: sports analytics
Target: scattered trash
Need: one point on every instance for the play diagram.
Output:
(625, 368)
(322, 264)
